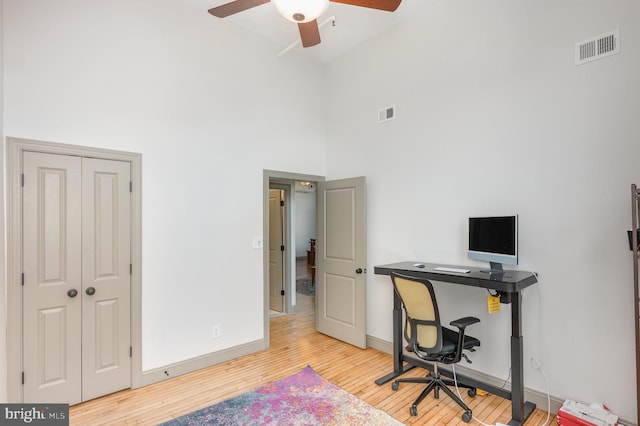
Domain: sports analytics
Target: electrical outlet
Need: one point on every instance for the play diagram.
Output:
(215, 331)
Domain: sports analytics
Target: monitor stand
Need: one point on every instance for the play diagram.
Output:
(495, 269)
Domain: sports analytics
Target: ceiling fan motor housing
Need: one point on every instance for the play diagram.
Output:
(301, 11)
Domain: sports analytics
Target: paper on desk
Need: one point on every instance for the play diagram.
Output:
(595, 413)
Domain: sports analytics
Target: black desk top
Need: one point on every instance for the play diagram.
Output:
(509, 281)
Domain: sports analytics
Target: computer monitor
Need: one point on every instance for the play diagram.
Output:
(494, 239)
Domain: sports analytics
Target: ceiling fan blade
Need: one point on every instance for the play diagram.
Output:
(388, 5)
(234, 7)
(309, 33)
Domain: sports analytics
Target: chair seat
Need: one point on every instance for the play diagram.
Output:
(450, 341)
(450, 337)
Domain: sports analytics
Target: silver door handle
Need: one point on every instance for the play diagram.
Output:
(72, 293)
(90, 291)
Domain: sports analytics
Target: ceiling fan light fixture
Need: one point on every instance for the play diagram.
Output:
(301, 11)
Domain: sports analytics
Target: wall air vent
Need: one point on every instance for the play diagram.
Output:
(386, 114)
(598, 47)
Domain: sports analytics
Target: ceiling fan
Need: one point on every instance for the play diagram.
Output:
(302, 12)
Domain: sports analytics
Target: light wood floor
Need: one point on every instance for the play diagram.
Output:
(294, 345)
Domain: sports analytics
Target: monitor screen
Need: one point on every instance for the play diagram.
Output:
(494, 239)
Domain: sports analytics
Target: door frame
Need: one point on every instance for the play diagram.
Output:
(15, 148)
(288, 179)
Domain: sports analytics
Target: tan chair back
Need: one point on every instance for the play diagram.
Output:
(421, 310)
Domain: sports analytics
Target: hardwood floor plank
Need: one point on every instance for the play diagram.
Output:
(294, 345)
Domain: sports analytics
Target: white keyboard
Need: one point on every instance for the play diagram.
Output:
(446, 269)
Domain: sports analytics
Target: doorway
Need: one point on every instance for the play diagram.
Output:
(305, 229)
(292, 229)
(341, 254)
(295, 245)
(87, 314)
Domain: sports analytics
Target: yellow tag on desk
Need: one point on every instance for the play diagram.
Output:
(493, 303)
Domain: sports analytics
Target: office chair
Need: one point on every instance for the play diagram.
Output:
(430, 341)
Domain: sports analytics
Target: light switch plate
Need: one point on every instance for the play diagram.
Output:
(257, 242)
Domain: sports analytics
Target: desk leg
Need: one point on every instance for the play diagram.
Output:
(398, 368)
(397, 333)
(520, 410)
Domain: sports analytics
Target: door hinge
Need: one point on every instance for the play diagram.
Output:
(23, 377)
(130, 186)
(281, 292)
(130, 351)
(281, 203)
(22, 278)
(131, 269)
(22, 180)
(281, 248)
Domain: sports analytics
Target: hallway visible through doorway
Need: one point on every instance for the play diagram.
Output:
(304, 303)
(303, 271)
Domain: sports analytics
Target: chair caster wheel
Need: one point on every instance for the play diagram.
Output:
(413, 410)
(394, 386)
(466, 417)
(471, 392)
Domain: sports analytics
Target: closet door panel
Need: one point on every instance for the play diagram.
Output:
(52, 307)
(106, 205)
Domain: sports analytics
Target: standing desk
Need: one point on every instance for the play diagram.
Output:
(509, 286)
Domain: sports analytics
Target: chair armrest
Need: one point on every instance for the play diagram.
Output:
(462, 323)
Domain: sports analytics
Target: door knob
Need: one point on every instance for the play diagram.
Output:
(72, 293)
(359, 271)
(90, 291)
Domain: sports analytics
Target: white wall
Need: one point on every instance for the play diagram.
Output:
(209, 107)
(493, 117)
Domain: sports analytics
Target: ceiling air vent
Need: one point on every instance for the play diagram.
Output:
(386, 114)
(598, 47)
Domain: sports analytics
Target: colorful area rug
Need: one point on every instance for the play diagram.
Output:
(304, 286)
(304, 398)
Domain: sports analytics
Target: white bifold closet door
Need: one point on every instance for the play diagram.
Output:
(76, 286)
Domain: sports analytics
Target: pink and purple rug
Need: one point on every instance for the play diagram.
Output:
(304, 398)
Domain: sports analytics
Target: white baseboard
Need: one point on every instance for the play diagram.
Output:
(379, 344)
(183, 367)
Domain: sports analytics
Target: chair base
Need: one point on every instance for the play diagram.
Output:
(434, 383)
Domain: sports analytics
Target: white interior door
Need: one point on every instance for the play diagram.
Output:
(276, 253)
(106, 277)
(52, 302)
(341, 260)
(76, 293)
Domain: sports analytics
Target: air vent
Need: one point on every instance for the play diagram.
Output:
(386, 114)
(598, 47)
